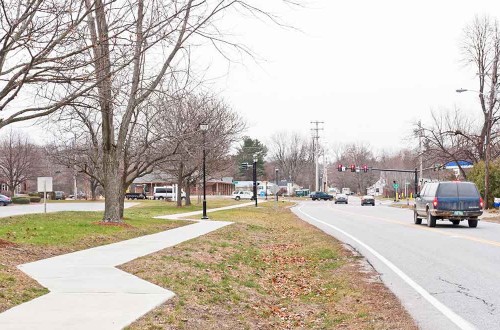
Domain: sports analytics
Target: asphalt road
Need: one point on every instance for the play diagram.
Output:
(446, 277)
(7, 211)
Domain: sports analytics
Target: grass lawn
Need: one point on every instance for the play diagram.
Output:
(33, 237)
(268, 270)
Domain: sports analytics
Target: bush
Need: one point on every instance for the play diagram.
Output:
(21, 200)
(35, 199)
(476, 175)
(34, 194)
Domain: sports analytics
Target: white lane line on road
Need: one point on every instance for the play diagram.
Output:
(452, 316)
(422, 227)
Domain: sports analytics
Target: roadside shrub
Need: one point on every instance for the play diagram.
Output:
(477, 174)
(35, 199)
(21, 200)
(34, 194)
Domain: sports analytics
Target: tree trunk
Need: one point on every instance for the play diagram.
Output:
(179, 184)
(113, 187)
(93, 189)
(188, 193)
(122, 203)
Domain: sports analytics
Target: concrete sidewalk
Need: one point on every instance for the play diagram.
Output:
(88, 292)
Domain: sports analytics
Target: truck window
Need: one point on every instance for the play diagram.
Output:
(448, 190)
(425, 189)
(432, 189)
(467, 190)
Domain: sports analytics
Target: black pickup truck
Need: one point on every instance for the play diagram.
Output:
(319, 195)
(135, 196)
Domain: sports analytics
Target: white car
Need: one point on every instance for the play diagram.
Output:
(237, 195)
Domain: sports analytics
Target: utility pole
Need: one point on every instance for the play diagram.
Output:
(325, 174)
(315, 130)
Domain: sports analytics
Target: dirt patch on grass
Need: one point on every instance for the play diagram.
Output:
(269, 270)
(4, 243)
(114, 224)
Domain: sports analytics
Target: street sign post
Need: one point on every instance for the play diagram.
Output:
(44, 184)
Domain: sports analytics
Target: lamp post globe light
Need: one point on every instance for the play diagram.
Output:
(204, 129)
(487, 141)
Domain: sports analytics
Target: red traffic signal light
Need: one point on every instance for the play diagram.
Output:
(365, 168)
(353, 168)
(339, 167)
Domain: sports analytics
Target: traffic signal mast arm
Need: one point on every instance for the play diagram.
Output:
(366, 168)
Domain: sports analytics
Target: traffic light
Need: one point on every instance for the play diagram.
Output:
(353, 168)
(365, 168)
(339, 167)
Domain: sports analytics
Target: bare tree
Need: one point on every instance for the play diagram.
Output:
(291, 153)
(452, 136)
(151, 41)
(183, 125)
(17, 157)
(41, 57)
(481, 48)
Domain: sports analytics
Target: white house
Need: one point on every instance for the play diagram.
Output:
(378, 188)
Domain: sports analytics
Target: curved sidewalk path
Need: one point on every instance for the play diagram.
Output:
(88, 292)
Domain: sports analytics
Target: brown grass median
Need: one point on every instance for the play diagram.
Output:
(269, 270)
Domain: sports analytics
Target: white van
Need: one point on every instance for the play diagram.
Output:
(165, 193)
(237, 195)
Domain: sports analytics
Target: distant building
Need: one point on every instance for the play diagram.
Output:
(378, 188)
(147, 182)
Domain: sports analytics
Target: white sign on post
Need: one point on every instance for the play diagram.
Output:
(274, 189)
(44, 184)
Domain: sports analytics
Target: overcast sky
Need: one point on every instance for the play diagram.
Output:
(368, 69)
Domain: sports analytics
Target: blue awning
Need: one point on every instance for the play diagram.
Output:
(462, 163)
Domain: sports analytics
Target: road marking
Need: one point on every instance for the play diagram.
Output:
(420, 227)
(452, 316)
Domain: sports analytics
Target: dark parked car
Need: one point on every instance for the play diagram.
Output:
(341, 198)
(4, 200)
(59, 195)
(367, 200)
(320, 195)
(451, 200)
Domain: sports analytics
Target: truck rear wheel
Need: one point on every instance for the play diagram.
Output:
(431, 220)
(472, 223)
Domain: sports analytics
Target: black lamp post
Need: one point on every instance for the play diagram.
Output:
(255, 178)
(204, 128)
(277, 187)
